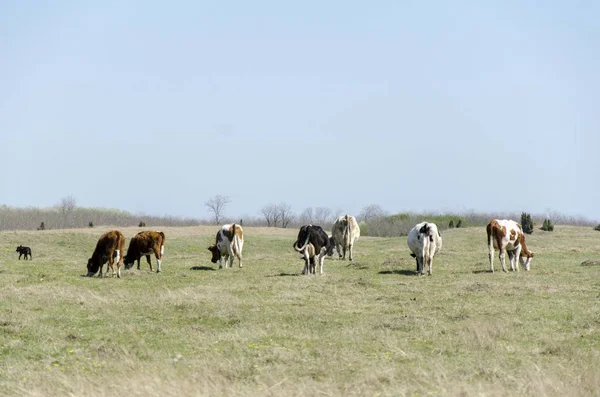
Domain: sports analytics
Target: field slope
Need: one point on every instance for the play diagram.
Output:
(371, 327)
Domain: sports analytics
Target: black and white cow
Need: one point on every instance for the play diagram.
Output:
(315, 235)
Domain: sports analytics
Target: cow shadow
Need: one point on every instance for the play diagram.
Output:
(203, 268)
(282, 274)
(483, 271)
(401, 272)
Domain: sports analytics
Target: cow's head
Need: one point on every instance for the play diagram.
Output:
(526, 259)
(19, 248)
(92, 267)
(216, 253)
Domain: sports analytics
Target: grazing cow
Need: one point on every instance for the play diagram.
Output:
(507, 236)
(144, 244)
(424, 240)
(24, 251)
(344, 233)
(109, 248)
(315, 235)
(229, 242)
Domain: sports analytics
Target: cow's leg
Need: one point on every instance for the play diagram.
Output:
(491, 256)
(429, 265)
(502, 259)
(149, 260)
(517, 255)
(337, 248)
(511, 256)
(158, 261)
(419, 264)
(350, 252)
(322, 258)
(100, 273)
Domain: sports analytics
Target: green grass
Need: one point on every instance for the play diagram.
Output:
(370, 327)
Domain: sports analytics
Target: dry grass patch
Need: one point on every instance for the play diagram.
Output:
(371, 327)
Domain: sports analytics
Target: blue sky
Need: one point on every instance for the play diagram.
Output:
(154, 107)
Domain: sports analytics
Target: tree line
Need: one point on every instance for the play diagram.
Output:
(373, 219)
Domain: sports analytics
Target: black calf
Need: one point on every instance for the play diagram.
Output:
(24, 251)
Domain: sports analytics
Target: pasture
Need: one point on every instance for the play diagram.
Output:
(371, 327)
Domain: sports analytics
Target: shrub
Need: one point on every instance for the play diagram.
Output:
(42, 226)
(547, 225)
(142, 224)
(597, 228)
(526, 223)
(451, 224)
(459, 223)
(91, 224)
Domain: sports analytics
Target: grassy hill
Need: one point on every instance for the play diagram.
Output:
(370, 327)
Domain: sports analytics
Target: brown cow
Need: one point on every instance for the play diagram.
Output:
(109, 246)
(144, 244)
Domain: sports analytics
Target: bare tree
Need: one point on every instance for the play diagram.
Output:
(285, 214)
(370, 212)
(271, 214)
(307, 216)
(65, 208)
(339, 212)
(322, 215)
(216, 205)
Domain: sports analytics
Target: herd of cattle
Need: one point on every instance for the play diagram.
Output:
(424, 241)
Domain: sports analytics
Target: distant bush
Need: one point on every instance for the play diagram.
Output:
(459, 223)
(42, 226)
(526, 223)
(547, 225)
(451, 224)
(142, 224)
(91, 224)
(597, 228)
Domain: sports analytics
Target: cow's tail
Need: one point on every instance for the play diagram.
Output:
(347, 232)
(120, 248)
(490, 237)
(162, 244)
(236, 242)
(303, 246)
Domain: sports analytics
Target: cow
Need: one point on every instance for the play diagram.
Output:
(228, 243)
(308, 255)
(109, 248)
(344, 234)
(507, 236)
(24, 251)
(315, 235)
(144, 244)
(424, 241)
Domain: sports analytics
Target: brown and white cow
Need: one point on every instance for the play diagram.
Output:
(144, 244)
(344, 234)
(109, 248)
(507, 236)
(228, 243)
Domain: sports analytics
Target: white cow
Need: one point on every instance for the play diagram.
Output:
(345, 233)
(424, 241)
(507, 236)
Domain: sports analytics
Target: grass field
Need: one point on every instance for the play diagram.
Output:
(366, 328)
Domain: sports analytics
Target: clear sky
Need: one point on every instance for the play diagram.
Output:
(153, 107)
